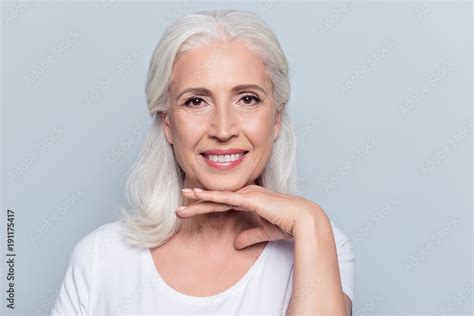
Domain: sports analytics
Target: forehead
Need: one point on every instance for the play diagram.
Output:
(219, 65)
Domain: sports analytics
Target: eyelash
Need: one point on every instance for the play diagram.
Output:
(188, 101)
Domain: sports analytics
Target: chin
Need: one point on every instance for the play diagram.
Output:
(224, 184)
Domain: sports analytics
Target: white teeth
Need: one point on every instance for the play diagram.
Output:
(224, 158)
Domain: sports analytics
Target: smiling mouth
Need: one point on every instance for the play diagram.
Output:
(224, 162)
(224, 159)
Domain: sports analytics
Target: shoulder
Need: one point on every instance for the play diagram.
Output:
(94, 243)
(95, 253)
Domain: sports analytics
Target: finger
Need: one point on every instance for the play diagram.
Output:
(250, 236)
(189, 193)
(202, 208)
(226, 197)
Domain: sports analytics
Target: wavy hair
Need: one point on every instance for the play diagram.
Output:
(153, 186)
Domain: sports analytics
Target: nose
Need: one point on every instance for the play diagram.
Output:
(224, 123)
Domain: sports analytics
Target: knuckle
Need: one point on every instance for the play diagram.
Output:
(233, 200)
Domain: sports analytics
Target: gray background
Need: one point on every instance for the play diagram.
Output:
(381, 99)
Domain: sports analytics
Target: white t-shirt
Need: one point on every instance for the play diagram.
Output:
(106, 276)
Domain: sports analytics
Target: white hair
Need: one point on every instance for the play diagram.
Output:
(153, 187)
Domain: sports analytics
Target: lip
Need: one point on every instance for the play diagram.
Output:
(223, 165)
(224, 151)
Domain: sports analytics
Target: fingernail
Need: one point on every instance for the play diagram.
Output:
(180, 208)
(186, 190)
(181, 214)
(198, 189)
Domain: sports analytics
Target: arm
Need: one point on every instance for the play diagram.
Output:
(317, 286)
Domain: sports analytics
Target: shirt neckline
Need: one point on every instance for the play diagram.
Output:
(205, 299)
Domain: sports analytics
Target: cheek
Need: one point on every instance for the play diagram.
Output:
(189, 131)
(259, 130)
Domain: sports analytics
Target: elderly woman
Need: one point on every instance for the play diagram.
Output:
(216, 225)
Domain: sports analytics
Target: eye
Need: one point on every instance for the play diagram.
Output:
(196, 101)
(248, 99)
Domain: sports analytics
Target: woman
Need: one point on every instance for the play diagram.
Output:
(216, 225)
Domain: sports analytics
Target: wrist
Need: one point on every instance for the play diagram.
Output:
(313, 219)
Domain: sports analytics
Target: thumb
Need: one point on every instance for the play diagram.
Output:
(250, 236)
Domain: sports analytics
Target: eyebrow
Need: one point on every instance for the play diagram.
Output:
(204, 91)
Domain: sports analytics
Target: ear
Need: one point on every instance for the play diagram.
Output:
(277, 124)
(165, 121)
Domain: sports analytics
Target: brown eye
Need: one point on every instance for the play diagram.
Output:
(249, 98)
(196, 101)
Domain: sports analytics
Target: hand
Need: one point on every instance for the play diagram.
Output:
(279, 212)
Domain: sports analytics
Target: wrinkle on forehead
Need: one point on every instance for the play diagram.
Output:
(219, 65)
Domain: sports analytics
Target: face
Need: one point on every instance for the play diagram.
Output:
(221, 99)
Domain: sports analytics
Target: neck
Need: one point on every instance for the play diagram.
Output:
(215, 226)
